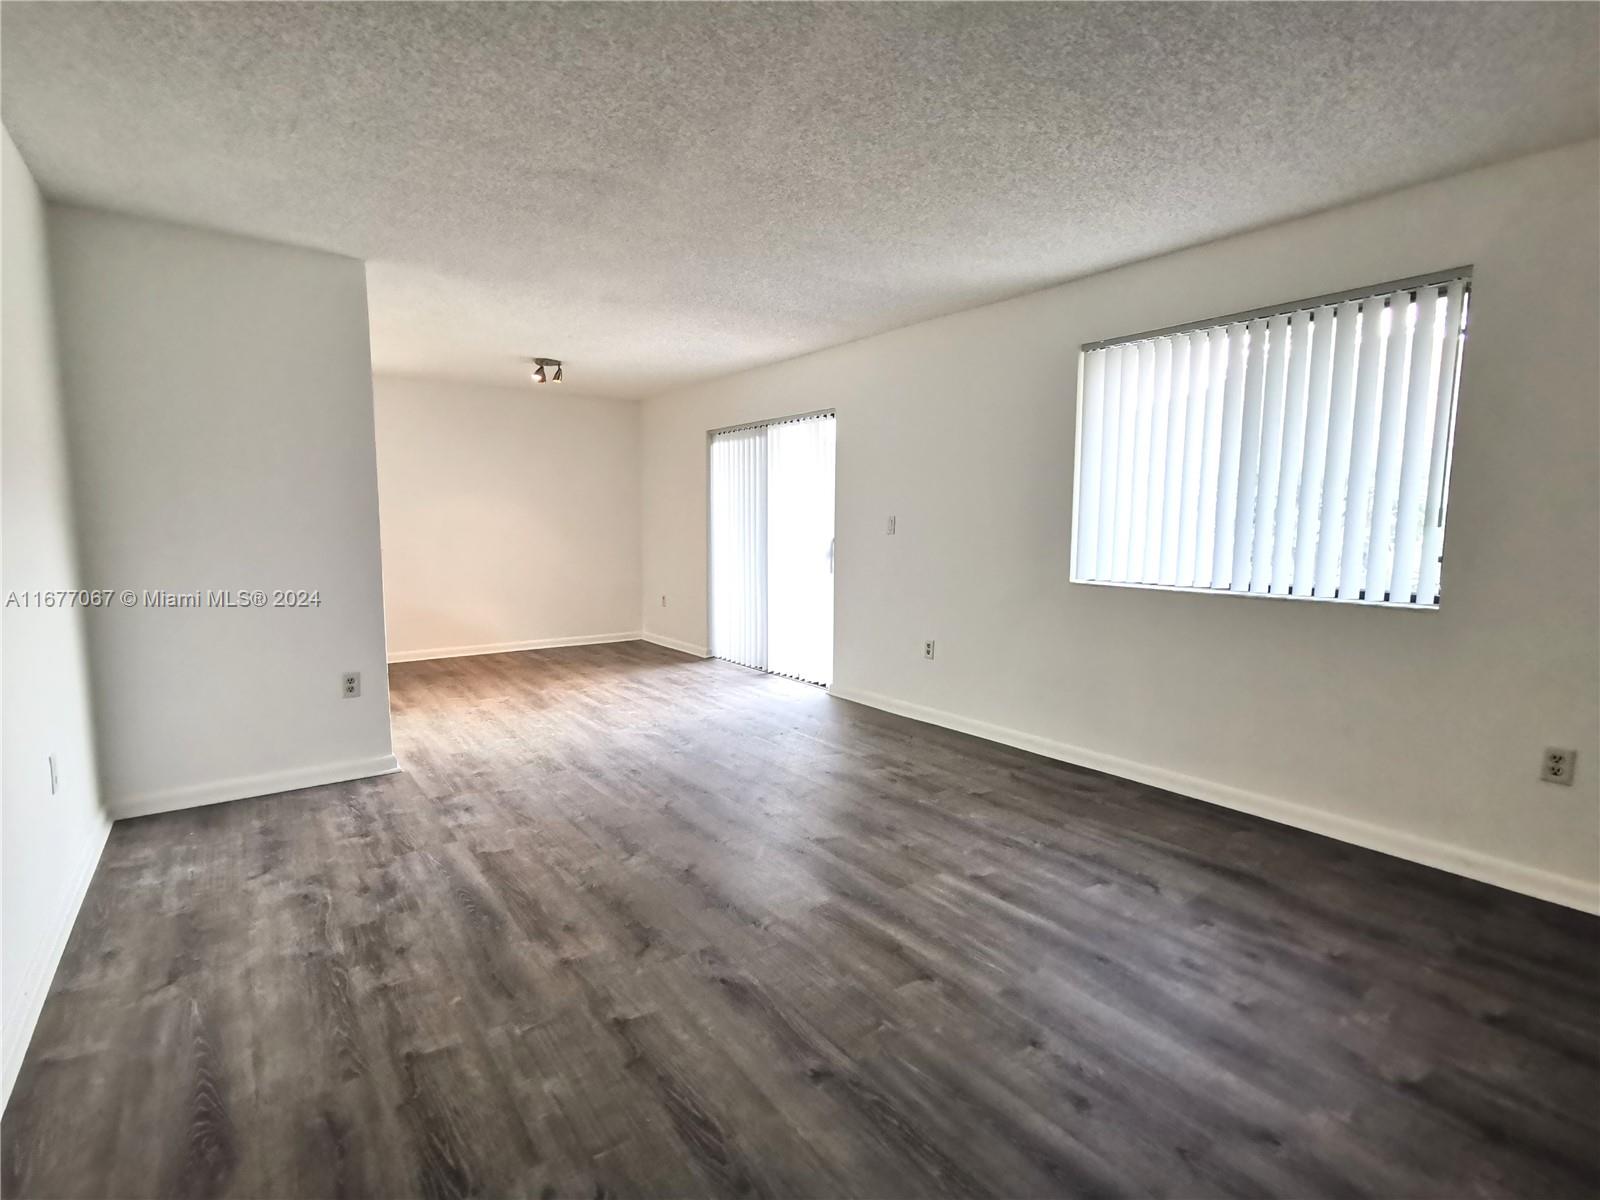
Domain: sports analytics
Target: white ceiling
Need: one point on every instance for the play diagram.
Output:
(659, 193)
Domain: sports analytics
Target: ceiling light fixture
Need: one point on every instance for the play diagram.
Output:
(539, 373)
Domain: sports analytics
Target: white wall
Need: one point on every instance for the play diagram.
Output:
(219, 402)
(49, 843)
(1419, 733)
(510, 516)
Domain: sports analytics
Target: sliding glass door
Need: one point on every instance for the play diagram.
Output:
(800, 548)
(772, 546)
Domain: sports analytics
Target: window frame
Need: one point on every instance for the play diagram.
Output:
(1412, 283)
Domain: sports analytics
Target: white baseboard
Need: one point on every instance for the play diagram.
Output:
(588, 639)
(41, 971)
(242, 788)
(1459, 860)
(656, 639)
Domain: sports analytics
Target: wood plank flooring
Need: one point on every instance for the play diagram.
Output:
(636, 924)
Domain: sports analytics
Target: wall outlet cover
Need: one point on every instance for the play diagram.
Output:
(1557, 765)
(350, 685)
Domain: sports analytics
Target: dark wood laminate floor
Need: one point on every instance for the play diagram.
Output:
(635, 924)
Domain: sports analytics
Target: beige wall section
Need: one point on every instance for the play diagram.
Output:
(49, 841)
(219, 400)
(510, 516)
(1418, 733)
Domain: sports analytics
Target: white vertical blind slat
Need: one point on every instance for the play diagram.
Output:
(1335, 475)
(1228, 461)
(1128, 415)
(1273, 412)
(1111, 436)
(1155, 512)
(1314, 463)
(1285, 522)
(1177, 420)
(758, 525)
(1211, 460)
(1244, 519)
(1391, 443)
(1194, 454)
(1444, 400)
(1141, 461)
(756, 530)
(1090, 444)
(1355, 518)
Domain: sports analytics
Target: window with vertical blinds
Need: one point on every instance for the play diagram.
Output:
(1301, 452)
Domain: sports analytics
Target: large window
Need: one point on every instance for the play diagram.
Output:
(1302, 451)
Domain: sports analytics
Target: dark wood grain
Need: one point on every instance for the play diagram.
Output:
(635, 924)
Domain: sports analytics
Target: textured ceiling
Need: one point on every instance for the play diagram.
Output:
(658, 193)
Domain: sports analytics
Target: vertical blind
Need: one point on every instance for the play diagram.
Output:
(739, 546)
(1302, 452)
(772, 546)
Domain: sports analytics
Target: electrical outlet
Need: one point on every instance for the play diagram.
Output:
(350, 685)
(1558, 765)
(663, 599)
(927, 648)
(891, 526)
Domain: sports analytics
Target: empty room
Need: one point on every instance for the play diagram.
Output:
(879, 600)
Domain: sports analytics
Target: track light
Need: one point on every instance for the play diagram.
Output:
(552, 376)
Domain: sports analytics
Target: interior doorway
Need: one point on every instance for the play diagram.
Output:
(772, 539)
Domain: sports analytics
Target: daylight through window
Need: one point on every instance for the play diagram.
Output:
(1299, 452)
